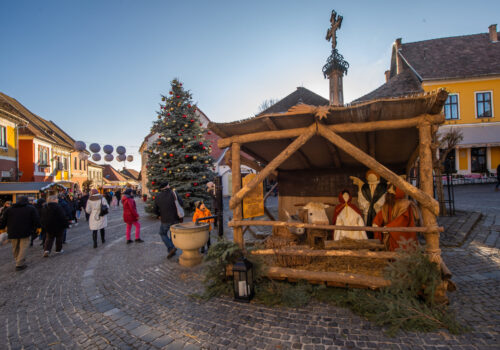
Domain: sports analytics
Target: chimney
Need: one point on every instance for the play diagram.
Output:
(399, 61)
(387, 75)
(493, 33)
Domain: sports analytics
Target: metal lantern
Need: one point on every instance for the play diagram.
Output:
(121, 150)
(108, 157)
(95, 148)
(130, 158)
(243, 280)
(108, 149)
(96, 157)
(80, 146)
(121, 157)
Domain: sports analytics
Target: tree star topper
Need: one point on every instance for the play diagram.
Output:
(331, 33)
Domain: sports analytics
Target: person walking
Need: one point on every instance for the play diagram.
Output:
(97, 208)
(54, 220)
(498, 177)
(21, 219)
(68, 210)
(118, 195)
(165, 208)
(83, 204)
(131, 217)
(73, 203)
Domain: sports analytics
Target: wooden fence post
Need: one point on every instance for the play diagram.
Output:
(236, 186)
(426, 185)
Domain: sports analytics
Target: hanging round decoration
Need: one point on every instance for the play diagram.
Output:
(108, 149)
(95, 148)
(80, 146)
(130, 158)
(121, 150)
(121, 157)
(96, 157)
(108, 157)
(82, 155)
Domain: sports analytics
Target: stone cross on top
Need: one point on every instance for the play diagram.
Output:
(331, 33)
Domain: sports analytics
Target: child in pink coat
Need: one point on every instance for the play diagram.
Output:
(131, 217)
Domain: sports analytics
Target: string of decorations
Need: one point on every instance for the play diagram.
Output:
(95, 148)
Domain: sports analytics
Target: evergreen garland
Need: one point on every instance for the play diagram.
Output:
(180, 154)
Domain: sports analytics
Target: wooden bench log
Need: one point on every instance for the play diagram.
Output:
(339, 278)
(355, 244)
(326, 253)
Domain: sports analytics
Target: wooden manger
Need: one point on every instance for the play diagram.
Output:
(313, 150)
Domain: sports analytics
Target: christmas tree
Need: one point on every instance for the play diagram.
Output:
(180, 155)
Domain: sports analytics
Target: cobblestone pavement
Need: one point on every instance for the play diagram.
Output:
(121, 296)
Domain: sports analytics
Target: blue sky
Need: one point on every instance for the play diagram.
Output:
(97, 68)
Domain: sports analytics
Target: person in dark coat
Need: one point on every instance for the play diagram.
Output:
(68, 210)
(83, 204)
(498, 177)
(164, 207)
(118, 195)
(55, 220)
(21, 219)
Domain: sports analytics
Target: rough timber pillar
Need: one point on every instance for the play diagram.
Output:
(236, 186)
(427, 186)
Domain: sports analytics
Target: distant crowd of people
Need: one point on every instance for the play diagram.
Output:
(50, 218)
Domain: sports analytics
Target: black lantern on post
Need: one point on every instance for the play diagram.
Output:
(243, 280)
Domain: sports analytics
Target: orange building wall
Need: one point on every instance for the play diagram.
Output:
(27, 160)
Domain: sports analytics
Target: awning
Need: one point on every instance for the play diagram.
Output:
(27, 187)
(480, 135)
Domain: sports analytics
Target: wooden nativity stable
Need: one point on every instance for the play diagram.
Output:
(314, 149)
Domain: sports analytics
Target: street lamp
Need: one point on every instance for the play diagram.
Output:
(243, 280)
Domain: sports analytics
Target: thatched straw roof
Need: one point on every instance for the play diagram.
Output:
(392, 147)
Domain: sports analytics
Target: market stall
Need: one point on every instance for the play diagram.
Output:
(13, 190)
(316, 151)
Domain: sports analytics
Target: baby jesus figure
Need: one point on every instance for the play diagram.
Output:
(347, 214)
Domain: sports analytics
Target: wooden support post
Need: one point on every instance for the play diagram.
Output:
(427, 185)
(236, 179)
(276, 162)
(422, 197)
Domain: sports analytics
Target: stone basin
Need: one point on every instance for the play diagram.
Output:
(190, 237)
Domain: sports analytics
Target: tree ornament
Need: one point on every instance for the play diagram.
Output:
(206, 162)
(171, 154)
(163, 98)
(171, 108)
(184, 116)
(168, 114)
(164, 169)
(159, 116)
(188, 195)
(164, 153)
(195, 157)
(152, 182)
(189, 106)
(168, 139)
(159, 142)
(178, 96)
(170, 92)
(186, 156)
(203, 177)
(201, 143)
(186, 167)
(209, 133)
(204, 148)
(180, 140)
(185, 125)
(192, 120)
(170, 171)
(195, 184)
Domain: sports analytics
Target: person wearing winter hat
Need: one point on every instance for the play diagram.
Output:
(202, 211)
(94, 207)
(130, 216)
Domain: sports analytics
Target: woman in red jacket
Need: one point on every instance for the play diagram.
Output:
(131, 217)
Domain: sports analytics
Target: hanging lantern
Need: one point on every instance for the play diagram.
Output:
(80, 146)
(96, 157)
(243, 280)
(108, 157)
(95, 148)
(108, 149)
(121, 150)
(130, 158)
(121, 157)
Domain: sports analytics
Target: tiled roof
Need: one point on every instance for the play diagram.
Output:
(403, 84)
(111, 174)
(301, 95)
(37, 126)
(453, 57)
(134, 174)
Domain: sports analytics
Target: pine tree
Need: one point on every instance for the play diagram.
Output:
(180, 155)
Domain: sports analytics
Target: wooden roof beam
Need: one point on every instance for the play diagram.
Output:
(423, 198)
(273, 165)
(338, 128)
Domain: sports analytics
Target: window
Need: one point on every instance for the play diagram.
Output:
(478, 159)
(65, 163)
(483, 105)
(451, 107)
(74, 165)
(43, 156)
(3, 136)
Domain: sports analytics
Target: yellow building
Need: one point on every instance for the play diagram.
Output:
(468, 67)
(9, 144)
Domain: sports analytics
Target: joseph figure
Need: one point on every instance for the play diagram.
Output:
(370, 196)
